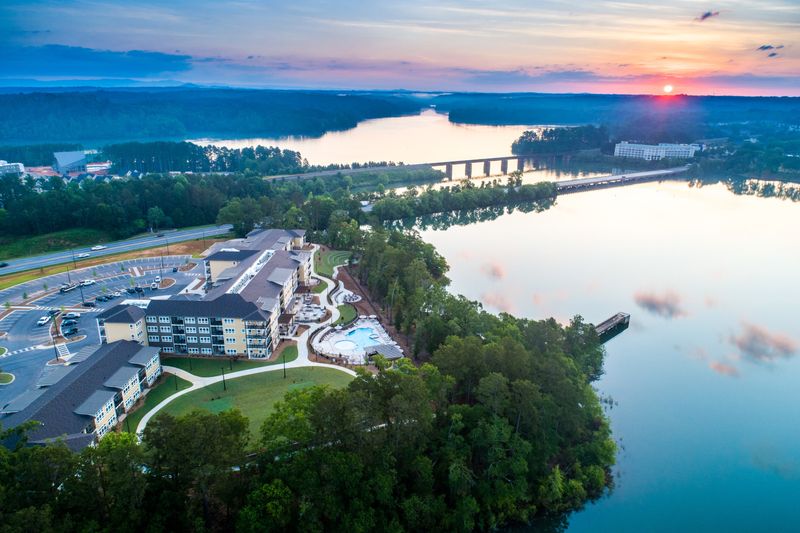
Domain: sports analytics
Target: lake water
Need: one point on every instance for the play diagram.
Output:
(705, 380)
(422, 138)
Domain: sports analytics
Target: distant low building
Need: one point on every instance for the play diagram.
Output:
(655, 152)
(66, 162)
(84, 399)
(11, 168)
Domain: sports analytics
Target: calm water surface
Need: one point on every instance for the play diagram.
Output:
(422, 138)
(706, 378)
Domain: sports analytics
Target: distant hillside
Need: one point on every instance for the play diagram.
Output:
(646, 118)
(120, 114)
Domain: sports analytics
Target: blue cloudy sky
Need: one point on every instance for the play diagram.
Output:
(631, 46)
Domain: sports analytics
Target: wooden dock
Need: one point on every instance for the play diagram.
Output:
(611, 327)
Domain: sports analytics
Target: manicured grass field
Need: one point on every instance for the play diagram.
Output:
(256, 395)
(207, 367)
(325, 261)
(162, 391)
(51, 242)
(6, 378)
(319, 288)
(348, 313)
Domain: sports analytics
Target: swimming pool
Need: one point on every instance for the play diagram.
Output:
(363, 337)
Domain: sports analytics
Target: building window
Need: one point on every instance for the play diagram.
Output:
(205, 351)
(227, 321)
(205, 340)
(168, 349)
(166, 329)
(166, 338)
(191, 339)
(230, 351)
(191, 330)
(153, 338)
(164, 320)
(151, 319)
(203, 330)
(230, 340)
(202, 320)
(152, 329)
(194, 350)
(189, 320)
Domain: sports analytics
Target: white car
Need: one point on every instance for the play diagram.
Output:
(44, 320)
(158, 279)
(98, 247)
(83, 255)
(87, 282)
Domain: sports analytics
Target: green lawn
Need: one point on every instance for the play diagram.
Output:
(51, 242)
(325, 261)
(164, 389)
(3, 350)
(6, 378)
(255, 395)
(348, 313)
(320, 287)
(207, 367)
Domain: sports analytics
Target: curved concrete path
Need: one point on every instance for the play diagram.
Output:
(302, 360)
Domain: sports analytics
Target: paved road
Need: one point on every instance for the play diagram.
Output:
(56, 258)
(616, 179)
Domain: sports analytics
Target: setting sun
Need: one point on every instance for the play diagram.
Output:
(667, 89)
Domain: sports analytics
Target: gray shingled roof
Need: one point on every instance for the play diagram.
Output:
(238, 255)
(121, 314)
(61, 407)
(143, 356)
(94, 402)
(121, 377)
(53, 374)
(227, 306)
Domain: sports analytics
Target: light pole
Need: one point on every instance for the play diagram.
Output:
(53, 340)
(224, 387)
(284, 363)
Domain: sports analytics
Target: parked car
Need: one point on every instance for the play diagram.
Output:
(3, 264)
(174, 269)
(68, 323)
(100, 298)
(89, 304)
(130, 290)
(44, 320)
(72, 316)
(138, 289)
(87, 282)
(160, 235)
(83, 255)
(53, 312)
(98, 247)
(66, 287)
(116, 294)
(69, 331)
(154, 286)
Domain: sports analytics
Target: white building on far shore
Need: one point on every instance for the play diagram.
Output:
(11, 168)
(654, 152)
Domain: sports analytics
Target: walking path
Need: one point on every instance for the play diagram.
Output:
(302, 360)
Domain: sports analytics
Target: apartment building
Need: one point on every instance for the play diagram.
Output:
(83, 400)
(655, 152)
(121, 323)
(11, 168)
(227, 325)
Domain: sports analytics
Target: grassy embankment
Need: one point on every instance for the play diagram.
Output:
(11, 247)
(256, 395)
(324, 262)
(348, 314)
(207, 367)
(166, 388)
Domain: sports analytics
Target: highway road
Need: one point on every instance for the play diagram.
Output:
(138, 243)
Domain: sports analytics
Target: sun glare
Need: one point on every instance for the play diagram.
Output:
(667, 89)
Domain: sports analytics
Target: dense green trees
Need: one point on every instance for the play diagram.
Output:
(178, 112)
(560, 140)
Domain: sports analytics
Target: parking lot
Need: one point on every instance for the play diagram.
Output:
(25, 341)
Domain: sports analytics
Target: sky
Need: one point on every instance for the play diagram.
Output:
(742, 47)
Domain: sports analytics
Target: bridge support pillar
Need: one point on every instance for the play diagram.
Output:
(448, 169)
(520, 164)
(504, 167)
(487, 168)
(468, 169)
